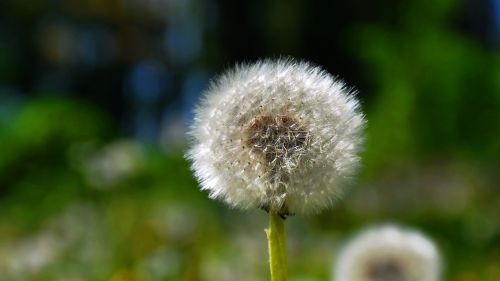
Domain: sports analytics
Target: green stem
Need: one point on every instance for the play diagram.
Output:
(277, 248)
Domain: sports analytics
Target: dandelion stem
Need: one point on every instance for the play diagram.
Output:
(277, 248)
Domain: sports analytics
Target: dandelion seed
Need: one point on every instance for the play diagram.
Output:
(281, 135)
(388, 253)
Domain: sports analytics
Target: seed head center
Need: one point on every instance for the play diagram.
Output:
(387, 270)
(276, 138)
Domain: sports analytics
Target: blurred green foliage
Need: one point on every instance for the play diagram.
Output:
(437, 90)
(34, 173)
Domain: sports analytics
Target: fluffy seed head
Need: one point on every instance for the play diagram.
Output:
(281, 135)
(388, 253)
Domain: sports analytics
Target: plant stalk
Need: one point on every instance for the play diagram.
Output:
(277, 248)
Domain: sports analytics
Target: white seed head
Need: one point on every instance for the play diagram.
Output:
(388, 253)
(280, 135)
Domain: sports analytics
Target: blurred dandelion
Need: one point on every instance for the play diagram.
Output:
(71, 235)
(113, 164)
(388, 253)
(29, 256)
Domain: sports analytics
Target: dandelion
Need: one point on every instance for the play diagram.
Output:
(388, 253)
(279, 135)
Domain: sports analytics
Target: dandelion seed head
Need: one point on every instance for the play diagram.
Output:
(388, 253)
(281, 135)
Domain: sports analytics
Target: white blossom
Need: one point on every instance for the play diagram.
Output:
(113, 164)
(280, 135)
(388, 253)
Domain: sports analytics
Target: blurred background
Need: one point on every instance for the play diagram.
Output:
(96, 96)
